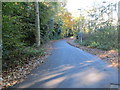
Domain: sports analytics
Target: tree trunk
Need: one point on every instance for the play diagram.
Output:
(1, 38)
(119, 13)
(118, 28)
(37, 23)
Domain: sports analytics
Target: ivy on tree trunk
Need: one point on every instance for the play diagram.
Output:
(37, 23)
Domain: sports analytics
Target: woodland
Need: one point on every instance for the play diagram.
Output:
(26, 26)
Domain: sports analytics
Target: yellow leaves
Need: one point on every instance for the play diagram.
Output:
(21, 7)
(16, 3)
(18, 74)
(114, 65)
(110, 56)
(103, 55)
(112, 51)
(67, 19)
(87, 30)
(14, 82)
(9, 84)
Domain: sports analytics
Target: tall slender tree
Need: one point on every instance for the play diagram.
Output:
(118, 28)
(119, 13)
(37, 23)
(0, 37)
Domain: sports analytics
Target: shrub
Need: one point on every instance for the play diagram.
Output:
(105, 39)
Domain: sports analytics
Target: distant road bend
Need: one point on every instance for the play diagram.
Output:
(70, 67)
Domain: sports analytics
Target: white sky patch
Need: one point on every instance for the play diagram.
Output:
(73, 5)
(105, 16)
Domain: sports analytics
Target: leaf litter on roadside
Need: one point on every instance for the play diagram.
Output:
(110, 56)
(18, 74)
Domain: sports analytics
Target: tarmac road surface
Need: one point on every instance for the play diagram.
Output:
(71, 67)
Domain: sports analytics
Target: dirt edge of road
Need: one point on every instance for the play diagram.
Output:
(111, 56)
(19, 74)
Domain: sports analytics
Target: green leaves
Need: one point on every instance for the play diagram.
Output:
(19, 29)
(30, 52)
(106, 39)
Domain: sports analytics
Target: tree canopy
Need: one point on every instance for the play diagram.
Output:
(19, 32)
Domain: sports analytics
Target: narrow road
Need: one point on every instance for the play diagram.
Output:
(70, 67)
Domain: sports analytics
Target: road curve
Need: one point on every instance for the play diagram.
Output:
(70, 67)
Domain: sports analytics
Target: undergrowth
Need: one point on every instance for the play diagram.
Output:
(105, 40)
(21, 56)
